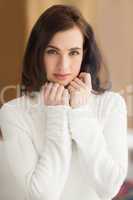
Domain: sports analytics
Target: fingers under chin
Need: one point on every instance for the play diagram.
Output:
(71, 89)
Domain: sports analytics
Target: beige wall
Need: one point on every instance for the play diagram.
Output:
(12, 36)
(115, 30)
(111, 20)
(35, 8)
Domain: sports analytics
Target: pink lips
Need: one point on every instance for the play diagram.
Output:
(61, 76)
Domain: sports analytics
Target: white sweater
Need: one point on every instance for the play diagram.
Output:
(60, 153)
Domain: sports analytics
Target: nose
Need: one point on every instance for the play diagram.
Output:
(63, 64)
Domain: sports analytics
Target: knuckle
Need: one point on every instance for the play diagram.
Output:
(62, 86)
(49, 85)
(56, 84)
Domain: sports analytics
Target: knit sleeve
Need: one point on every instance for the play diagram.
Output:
(40, 177)
(103, 149)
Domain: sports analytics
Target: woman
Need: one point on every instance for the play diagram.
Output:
(65, 136)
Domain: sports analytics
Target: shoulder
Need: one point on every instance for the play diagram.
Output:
(14, 105)
(14, 111)
(109, 101)
(19, 111)
(111, 97)
(22, 103)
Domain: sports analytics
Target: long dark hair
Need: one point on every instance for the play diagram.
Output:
(54, 19)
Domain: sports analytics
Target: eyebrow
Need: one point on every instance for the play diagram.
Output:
(73, 48)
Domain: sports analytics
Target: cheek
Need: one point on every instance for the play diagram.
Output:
(76, 70)
(49, 64)
(77, 64)
(49, 60)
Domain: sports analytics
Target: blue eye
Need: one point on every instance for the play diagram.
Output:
(74, 53)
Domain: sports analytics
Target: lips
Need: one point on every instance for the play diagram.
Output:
(61, 76)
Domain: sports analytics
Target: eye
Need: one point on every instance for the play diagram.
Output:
(51, 51)
(74, 53)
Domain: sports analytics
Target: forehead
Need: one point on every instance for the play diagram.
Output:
(68, 39)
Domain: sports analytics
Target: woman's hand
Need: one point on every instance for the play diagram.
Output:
(80, 89)
(55, 94)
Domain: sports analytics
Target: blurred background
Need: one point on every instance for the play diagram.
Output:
(112, 24)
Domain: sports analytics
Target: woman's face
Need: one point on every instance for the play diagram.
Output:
(63, 55)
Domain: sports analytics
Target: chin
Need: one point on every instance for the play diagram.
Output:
(65, 83)
(62, 82)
